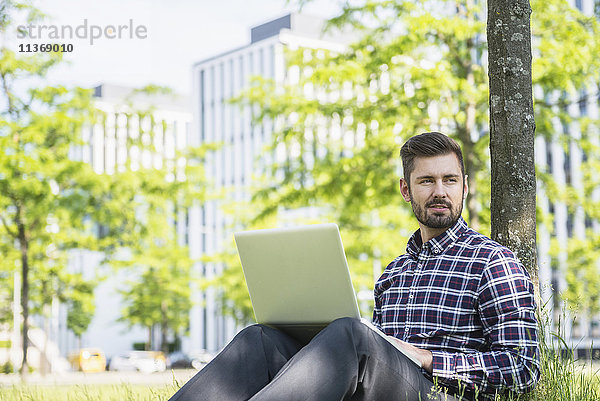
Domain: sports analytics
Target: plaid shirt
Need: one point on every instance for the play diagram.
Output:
(470, 302)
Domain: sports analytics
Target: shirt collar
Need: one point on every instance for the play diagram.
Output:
(439, 243)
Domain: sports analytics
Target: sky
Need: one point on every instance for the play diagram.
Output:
(166, 39)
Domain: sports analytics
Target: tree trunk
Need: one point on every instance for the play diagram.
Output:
(512, 129)
(164, 327)
(45, 366)
(24, 246)
(471, 169)
(470, 162)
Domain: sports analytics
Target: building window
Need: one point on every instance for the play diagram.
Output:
(187, 227)
(583, 102)
(261, 62)
(549, 158)
(570, 225)
(567, 168)
(589, 223)
(202, 109)
(212, 88)
(272, 61)
(242, 76)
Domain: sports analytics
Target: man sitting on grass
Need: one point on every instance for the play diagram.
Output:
(460, 303)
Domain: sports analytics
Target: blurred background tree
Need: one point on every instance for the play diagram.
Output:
(44, 195)
(51, 203)
(159, 291)
(81, 308)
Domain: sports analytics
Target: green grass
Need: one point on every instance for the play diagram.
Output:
(562, 379)
(120, 392)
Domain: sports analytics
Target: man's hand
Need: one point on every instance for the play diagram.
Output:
(422, 355)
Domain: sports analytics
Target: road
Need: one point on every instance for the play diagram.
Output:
(80, 378)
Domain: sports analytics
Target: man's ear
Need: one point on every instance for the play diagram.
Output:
(404, 189)
(466, 188)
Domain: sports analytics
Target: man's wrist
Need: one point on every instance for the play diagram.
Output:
(427, 360)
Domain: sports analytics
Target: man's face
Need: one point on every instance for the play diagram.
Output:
(436, 192)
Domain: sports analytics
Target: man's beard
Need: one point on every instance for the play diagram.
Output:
(437, 221)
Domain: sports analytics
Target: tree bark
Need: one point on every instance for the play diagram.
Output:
(24, 247)
(164, 327)
(471, 170)
(512, 130)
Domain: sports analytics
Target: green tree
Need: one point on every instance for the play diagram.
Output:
(158, 262)
(417, 67)
(160, 294)
(80, 308)
(51, 203)
(44, 195)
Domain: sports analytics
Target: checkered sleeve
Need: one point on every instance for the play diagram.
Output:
(377, 311)
(507, 312)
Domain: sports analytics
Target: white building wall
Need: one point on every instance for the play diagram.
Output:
(241, 156)
(107, 151)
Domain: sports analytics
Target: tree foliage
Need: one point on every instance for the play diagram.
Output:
(159, 292)
(51, 202)
(340, 117)
(160, 194)
(81, 307)
(44, 195)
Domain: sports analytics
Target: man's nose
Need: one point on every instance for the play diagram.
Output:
(439, 191)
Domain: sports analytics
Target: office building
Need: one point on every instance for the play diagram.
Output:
(215, 81)
(107, 150)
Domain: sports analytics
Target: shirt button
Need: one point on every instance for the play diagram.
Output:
(410, 296)
(406, 330)
(436, 251)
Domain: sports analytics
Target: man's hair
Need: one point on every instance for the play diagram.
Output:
(428, 144)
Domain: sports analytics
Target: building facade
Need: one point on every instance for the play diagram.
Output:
(107, 150)
(241, 154)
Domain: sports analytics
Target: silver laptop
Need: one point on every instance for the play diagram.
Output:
(298, 278)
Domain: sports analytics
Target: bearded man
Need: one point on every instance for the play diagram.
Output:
(458, 302)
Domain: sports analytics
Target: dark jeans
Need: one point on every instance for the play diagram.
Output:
(345, 361)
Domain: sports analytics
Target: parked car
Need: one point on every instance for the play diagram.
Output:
(141, 361)
(181, 360)
(88, 360)
(203, 357)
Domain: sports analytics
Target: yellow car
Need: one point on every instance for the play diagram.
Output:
(88, 360)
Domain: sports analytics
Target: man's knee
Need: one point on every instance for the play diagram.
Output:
(266, 336)
(346, 325)
(343, 340)
(250, 333)
(253, 329)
